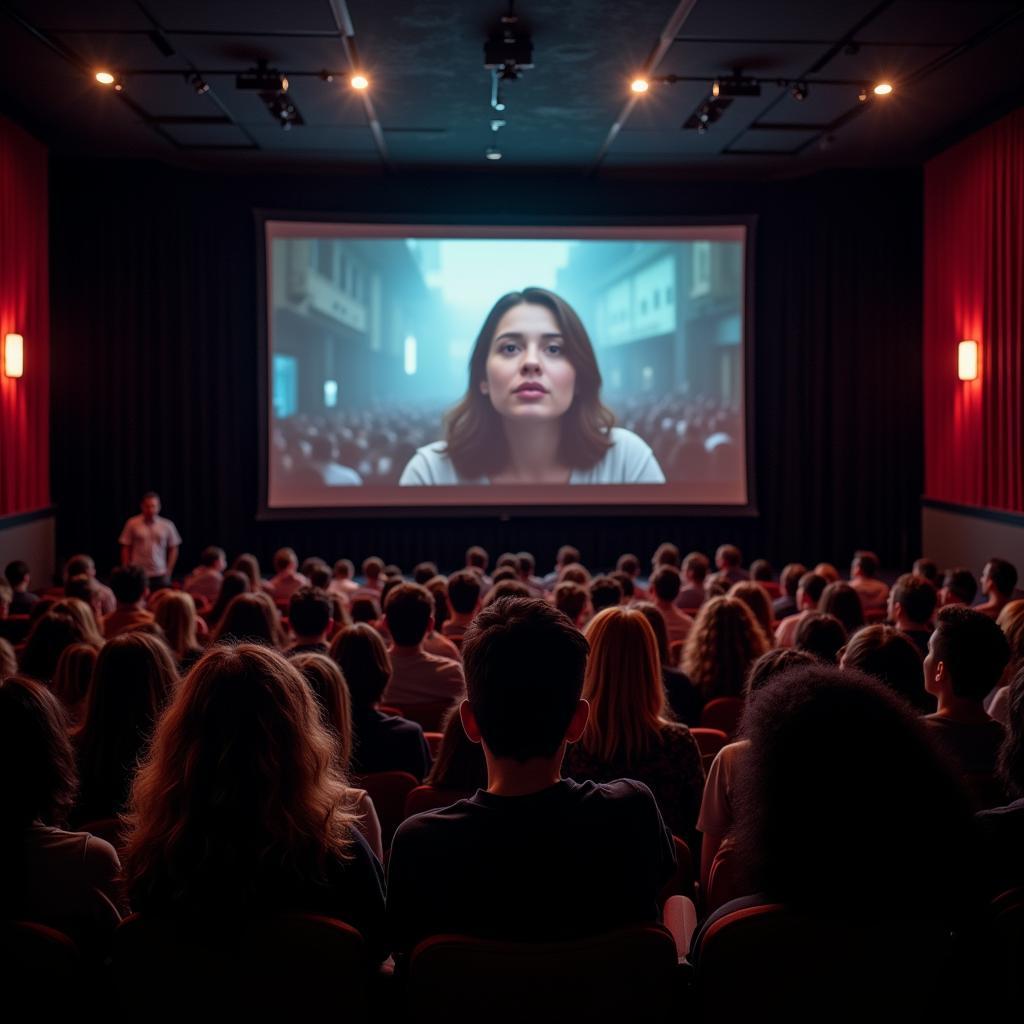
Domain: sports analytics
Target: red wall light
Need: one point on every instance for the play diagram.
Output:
(967, 360)
(14, 355)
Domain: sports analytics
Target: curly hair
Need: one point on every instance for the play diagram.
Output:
(756, 598)
(475, 442)
(1011, 622)
(241, 791)
(723, 643)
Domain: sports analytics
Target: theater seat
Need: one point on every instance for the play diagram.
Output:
(429, 715)
(768, 961)
(434, 742)
(429, 798)
(294, 965)
(722, 713)
(625, 975)
(709, 742)
(37, 961)
(388, 791)
(1005, 966)
(683, 881)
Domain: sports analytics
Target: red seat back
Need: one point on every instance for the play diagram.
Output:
(430, 715)
(709, 742)
(723, 713)
(388, 791)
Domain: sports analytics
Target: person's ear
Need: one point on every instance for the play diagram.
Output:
(469, 723)
(940, 673)
(578, 722)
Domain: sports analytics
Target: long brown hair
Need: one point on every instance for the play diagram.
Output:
(332, 697)
(176, 613)
(241, 790)
(475, 440)
(623, 685)
(724, 642)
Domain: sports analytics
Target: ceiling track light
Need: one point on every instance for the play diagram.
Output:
(110, 79)
(640, 84)
(262, 79)
(883, 89)
(799, 91)
(492, 153)
(359, 81)
(199, 84)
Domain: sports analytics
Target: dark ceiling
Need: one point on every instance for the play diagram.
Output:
(954, 64)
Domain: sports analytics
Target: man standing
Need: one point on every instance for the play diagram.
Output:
(151, 542)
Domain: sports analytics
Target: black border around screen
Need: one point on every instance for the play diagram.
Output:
(504, 513)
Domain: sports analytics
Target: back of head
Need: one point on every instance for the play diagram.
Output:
(1002, 575)
(626, 585)
(176, 615)
(249, 617)
(916, 596)
(16, 572)
(212, 556)
(424, 571)
(771, 664)
(235, 582)
(344, 569)
(728, 556)
(505, 572)
(866, 563)
(927, 569)
(666, 583)
(364, 609)
(829, 751)
(1011, 757)
(723, 643)
(696, 566)
(241, 787)
(507, 559)
(1011, 622)
(334, 704)
(629, 564)
(756, 599)
(605, 592)
(524, 664)
(477, 557)
(761, 570)
(526, 563)
(72, 676)
(285, 559)
(463, 591)
(828, 571)
(571, 599)
(813, 586)
(79, 565)
(373, 567)
(888, 655)
(790, 577)
(507, 588)
(408, 609)
(652, 613)
(623, 685)
(359, 652)
(842, 601)
(51, 633)
(822, 635)
(666, 554)
(37, 765)
(973, 649)
(128, 582)
(574, 573)
(567, 555)
(249, 566)
(309, 612)
(960, 586)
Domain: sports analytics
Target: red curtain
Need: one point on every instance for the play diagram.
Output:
(24, 310)
(974, 289)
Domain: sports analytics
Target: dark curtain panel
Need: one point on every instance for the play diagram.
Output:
(974, 289)
(24, 310)
(155, 383)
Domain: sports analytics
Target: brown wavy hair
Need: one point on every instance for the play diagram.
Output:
(241, 795)
(475, 441)
(724, 642)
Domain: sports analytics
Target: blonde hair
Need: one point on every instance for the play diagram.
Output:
(332, 697)
(84, 617)
(176, 614)
(623, 685)
(755, 597)
(71, 678)
(724, 642)
(1011, 622)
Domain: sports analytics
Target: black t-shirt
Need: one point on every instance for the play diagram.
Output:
(387, 743)
(574, 859)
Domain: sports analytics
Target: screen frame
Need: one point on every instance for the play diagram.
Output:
(495, 509)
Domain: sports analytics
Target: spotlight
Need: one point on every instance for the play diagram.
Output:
(734, 85)
(639, 85)
(104, 78)
(883, 89)
(326, 76)
(862, 96)
(262, 79)
(492, 153)
(799, 91)
(359, 81)
(200, 86)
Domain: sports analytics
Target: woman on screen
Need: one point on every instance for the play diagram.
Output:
(532, 412)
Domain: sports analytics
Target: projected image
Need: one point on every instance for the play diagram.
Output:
(430, 367)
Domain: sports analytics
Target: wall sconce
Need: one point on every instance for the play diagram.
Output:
(967, 360)
(14, 355)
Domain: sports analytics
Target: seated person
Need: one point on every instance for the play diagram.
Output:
(893, 659)
(912, 602)
(873, 593)
(67, 880)
(966, 657)
(533, 856)
(417, 677)
(311, 617)
(130, 588)
(380, 743)
(958, 587)
(464, 599)
(22, 598)
(998, 582)
(665, 586)
(287, 578)
(83, 565)
(205, 580)
(573, 601)
(809, 589)
(728, 563)
(789, 579)
(605, 592)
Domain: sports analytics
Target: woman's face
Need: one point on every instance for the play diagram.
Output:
(528, 374)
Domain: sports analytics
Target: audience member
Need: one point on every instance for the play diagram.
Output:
(8, 659)
(310, 616)
(150, 542)
(464, 599)
(912, 603)
(873, 593)
(998, 582)
(695, 572)
(785, 605)
(926, 569)
(241, 806)
(511, 588)
(380, 742)
(627, 586)
(567, 555)
(67, 880)
(573, 601)
(526, 566)
(205, 580)
(754, 596)
(629, 733)
(417, 677)
(83, 565)
(966, 657)
(250, 618)
(629, 565)
(530, 858)
(958, 587)
(19, 578)
(286, 579)
(891, 657)
(684, 699)
(335, 707)
(842, 601)
(665, 554)
(726, 640)
(50, 635)
(131, 589)
(83, 616)
(728, 562)
(342, 582)
(828, 571)
(822, 635)
(176, 615)
(235, 582)
(605, 592)
(373, 576)
(808, 593)
(477, 561)
(761, 573)
(71, 679)
(665, 585)
(1011, 622)
(134, 679)
(459, 766)
(249, 566)
(423, 572)
(365, 609)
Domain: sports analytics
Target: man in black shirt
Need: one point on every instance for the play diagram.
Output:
(535, 856)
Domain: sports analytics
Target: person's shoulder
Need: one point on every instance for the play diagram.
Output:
(629, 460)
(628, 797)
(627, 440)
(426, 826)
(430, 465)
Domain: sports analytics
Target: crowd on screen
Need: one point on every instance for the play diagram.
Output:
(693, 438)
(212, 741)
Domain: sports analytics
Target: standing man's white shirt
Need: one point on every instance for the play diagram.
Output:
(150, 541)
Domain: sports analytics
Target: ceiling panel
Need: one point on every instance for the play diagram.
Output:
(247, 15)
